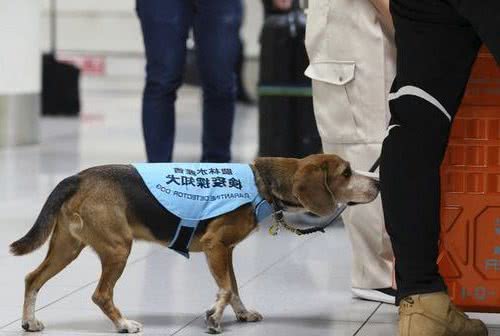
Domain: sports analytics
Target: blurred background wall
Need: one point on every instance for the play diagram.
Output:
(105, 37)
(20, 71)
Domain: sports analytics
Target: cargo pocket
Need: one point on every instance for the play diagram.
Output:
(334, 101)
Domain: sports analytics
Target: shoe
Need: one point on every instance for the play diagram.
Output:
(384, 295)
(434, 315)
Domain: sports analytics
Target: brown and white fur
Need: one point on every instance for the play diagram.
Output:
(107, 207)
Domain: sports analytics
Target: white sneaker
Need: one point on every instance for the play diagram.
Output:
(384, 295)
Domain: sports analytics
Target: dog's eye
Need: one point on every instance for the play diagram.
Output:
(347, 172)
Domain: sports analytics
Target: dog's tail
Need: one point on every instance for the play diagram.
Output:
(46, 220)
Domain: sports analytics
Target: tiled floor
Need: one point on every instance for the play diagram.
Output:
(300, 285)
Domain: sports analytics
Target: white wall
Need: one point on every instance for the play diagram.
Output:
(254, 17)
(20, 48)
(111, 26)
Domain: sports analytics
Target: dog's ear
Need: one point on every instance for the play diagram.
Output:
(311, 188)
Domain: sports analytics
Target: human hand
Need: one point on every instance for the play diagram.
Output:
(282, 4)
(384, 14)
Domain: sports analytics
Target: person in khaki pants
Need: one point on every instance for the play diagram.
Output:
(351, 50)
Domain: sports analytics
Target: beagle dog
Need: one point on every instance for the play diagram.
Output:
(108, 207)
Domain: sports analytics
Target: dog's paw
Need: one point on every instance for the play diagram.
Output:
(33, 325)
(249, 316)
(213, 324)
(128, 327)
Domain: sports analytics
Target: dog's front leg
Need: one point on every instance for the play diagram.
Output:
(242, 313)
(218, 262)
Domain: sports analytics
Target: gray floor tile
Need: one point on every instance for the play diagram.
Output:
(280, 325)
(379, 329)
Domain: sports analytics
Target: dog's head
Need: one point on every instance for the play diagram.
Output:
(322, 180)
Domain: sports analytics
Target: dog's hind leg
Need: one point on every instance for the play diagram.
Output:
(113, 255)
(242, 313)
(218, 257)
(106, 230)
(63, 249)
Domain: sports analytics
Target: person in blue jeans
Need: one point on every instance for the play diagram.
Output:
(165, 26)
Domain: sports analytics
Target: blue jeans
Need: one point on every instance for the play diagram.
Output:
(165, 26)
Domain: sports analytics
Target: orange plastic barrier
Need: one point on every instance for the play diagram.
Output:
(470, 192)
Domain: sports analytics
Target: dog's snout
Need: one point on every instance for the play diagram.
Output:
(377, 184)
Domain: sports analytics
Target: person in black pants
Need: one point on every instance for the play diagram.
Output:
(437, 43)
(165, 27)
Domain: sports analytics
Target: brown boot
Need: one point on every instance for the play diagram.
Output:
(434, 315)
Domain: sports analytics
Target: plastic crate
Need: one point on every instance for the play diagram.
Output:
(469, 257)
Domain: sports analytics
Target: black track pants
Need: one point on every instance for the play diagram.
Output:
(437, 42)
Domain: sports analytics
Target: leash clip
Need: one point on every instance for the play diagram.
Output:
(274, 229)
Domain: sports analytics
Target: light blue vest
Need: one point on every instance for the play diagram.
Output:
(198, 191)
